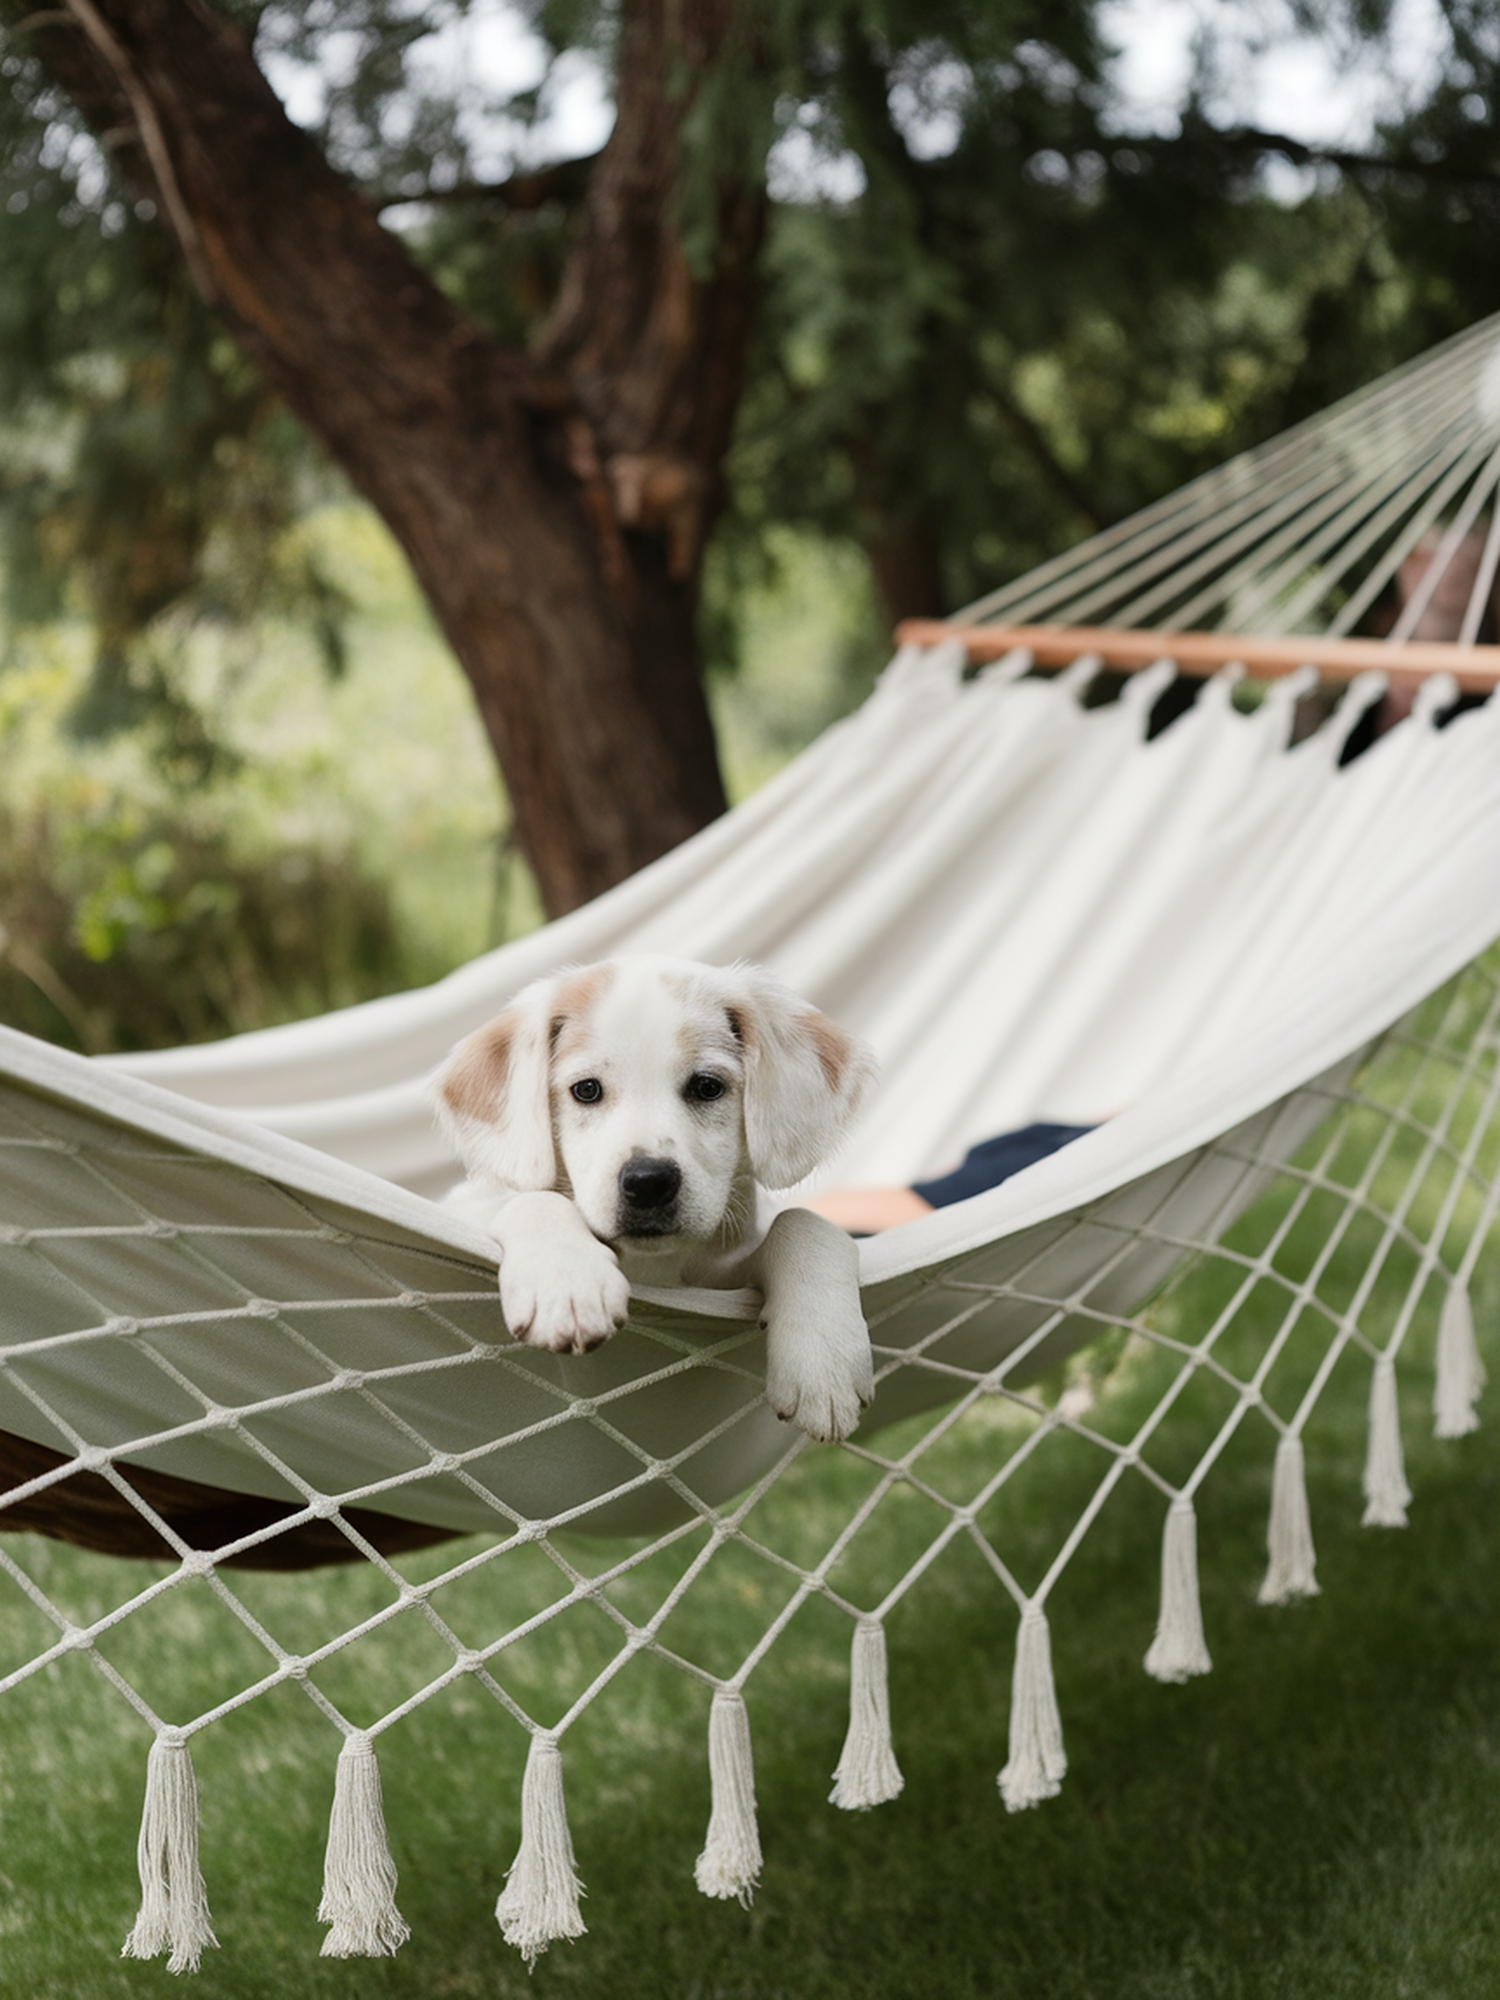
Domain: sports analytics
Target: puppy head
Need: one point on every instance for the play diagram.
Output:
(617, 1084)
(647, 1078)
(650, 1090)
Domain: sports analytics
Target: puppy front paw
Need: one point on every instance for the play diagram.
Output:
(565, 1305)
(819, 1373)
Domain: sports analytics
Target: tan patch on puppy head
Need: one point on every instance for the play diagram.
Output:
(577, 995)
(475, 1078)
(830, 1044)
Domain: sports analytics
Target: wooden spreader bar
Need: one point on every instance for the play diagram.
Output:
(1475, 668)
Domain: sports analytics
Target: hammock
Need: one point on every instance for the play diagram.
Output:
(238, 1331)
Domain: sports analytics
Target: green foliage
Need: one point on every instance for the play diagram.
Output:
(382, 120)
(1021, 322)
(344, 839)
(147, 478)
(1443, 215)
(1025, 322)
(121, 932)
(796, 641)
(1004, 343)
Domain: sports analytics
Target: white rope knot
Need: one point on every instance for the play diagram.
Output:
(1179, 1649)
(1387, 1495)
(1460, 1372)
(729, 1866)
(1292, 1570)
(1038, 1762)
(867, 1773)
(359, 1876)
(173, 1916)
(539, 1903)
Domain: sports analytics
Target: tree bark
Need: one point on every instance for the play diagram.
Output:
(553, 508)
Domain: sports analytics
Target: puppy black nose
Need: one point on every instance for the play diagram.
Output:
(650, 1184)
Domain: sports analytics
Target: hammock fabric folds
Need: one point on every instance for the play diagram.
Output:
(236, 1329)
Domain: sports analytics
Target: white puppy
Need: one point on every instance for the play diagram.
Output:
(614, 1122)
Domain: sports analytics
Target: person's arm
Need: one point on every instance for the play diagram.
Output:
(866, 1211)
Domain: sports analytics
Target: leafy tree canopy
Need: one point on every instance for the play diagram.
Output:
(997, 318)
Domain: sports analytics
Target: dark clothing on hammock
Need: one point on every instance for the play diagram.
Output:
(995, 1160)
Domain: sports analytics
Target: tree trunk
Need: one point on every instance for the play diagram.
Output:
(906, 563)
(553, 508)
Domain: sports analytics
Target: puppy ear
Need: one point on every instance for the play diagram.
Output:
(494, 1098)
(805, 1078)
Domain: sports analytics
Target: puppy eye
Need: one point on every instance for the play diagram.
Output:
(587, 1090)
(702, 1089)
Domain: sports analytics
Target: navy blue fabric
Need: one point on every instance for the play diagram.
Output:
(995, 1160)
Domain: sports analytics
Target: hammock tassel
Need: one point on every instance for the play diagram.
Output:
(867, 1773)
(729, 1865)
(1038, 1761)
(1179, 1649)
(1460, 1372)
(359, 1876)
(174, 1914)
(1387, 1495)
(1293, 1566)
(539, 1902)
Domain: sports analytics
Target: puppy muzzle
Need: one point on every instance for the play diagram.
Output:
(649, 1189)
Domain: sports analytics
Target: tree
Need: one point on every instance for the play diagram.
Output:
(1002, 339)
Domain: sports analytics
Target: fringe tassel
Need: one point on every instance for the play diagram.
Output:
(1293, 1565)
(730, 1862)
(174, 1904)
(867, 1774)
(1387, 1495)
(359, 1876)
(1179, 1649)
(539, 1902)
(1460, 1372)
(1038, 1762)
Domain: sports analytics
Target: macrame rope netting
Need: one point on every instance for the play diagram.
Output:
(1306, 533)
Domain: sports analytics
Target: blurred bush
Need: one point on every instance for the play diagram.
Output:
(121, 931)
(272, 841)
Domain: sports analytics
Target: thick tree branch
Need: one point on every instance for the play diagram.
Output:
(564, 181)
(1249, 143)
(152, 138)
(656, 350)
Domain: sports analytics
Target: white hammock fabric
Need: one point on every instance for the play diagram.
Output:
(224, 1265)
